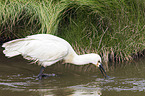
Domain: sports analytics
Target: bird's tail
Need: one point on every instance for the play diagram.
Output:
(12, 47)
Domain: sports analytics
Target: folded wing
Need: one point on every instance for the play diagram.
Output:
(43, 50)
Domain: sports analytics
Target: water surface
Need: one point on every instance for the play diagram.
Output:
(19, 78)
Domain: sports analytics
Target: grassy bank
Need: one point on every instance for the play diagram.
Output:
(113, 28)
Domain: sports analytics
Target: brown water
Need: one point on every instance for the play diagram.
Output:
(19, 78)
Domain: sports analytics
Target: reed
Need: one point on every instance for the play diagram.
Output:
(115, 29)
(24, 17)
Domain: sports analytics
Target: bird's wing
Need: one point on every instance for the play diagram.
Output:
(46, 50)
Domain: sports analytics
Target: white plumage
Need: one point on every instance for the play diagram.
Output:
(48, 49)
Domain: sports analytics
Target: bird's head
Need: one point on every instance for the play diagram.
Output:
(96, 60)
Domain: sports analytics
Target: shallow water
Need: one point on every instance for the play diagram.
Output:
(19, 78)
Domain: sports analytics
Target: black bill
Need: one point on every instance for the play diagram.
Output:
(103, 71)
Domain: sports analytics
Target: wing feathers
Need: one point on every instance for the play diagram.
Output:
(44, 50)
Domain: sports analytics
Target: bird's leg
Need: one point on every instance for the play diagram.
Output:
(41, 73)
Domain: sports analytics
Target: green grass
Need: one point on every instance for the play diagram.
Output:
(115, 29)
(30, 16)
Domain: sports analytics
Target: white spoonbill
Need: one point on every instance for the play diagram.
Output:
(47, 49)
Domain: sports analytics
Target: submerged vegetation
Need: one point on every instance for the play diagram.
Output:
(115, 29)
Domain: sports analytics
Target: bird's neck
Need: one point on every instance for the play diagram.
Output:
(79, 59)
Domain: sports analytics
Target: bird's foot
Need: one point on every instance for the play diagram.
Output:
(41, 73)
(40, 76)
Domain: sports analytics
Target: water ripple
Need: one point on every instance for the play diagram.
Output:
(129, 84)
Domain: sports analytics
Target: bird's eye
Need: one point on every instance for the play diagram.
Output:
(99, 61)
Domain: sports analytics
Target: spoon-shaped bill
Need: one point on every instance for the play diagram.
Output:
(103, 71)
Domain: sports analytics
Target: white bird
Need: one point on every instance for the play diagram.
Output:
(47, 49)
